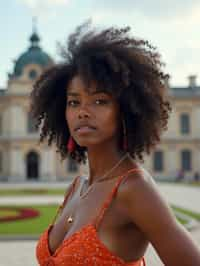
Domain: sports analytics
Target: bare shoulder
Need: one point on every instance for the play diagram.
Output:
(143, 204)
(136, 183)
(141, 200)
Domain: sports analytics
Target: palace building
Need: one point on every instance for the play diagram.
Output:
(179, 149)
(23, 159)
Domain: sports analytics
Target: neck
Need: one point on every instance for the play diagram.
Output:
(103, 159)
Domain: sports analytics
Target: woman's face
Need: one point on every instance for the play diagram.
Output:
(97, 113)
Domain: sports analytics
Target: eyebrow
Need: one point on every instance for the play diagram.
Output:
(72, 94)
(77, 94)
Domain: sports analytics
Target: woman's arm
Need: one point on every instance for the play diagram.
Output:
(149, 211)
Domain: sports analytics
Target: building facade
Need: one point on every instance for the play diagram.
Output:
(22, 159)
(179, 149)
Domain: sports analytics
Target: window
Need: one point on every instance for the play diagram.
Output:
(158, 161)
(32, 165)
(1, 161)
(185, 123)
(31, 124)
(32, 74)
(186, 160)
(72, 165)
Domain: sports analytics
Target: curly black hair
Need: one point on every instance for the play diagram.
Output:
(128, 68)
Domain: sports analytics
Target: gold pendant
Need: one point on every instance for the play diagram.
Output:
(70, 219)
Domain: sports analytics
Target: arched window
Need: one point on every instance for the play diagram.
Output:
(158, 164)
(31, 124)
(32, 165)
(72, 165)
(185, 123)
(186, 160)
(32, 74)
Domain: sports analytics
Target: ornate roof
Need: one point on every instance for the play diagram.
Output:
(34, 55)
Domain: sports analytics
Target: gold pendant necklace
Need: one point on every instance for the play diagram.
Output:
(70, 218)
(104, 176)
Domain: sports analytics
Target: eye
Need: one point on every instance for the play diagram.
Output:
(72, 102)
(102, 101)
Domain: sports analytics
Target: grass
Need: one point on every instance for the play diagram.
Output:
(24, 192)
(182, 221)
(192, 214)
(179, 183)
(35, 226)
(32, 226)
(4, 213)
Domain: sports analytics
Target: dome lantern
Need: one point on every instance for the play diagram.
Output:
(33, 55)
(34, 39)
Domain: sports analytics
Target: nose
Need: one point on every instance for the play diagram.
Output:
(83, 113)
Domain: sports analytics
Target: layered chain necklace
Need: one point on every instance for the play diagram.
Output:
(70, 218)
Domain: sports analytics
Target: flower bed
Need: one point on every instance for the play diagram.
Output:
(31, 227)
(17, 213)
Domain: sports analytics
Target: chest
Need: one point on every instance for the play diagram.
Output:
(88, 209)
(85, 211)
(115, 231)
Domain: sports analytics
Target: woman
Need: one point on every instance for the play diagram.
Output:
(107, 101)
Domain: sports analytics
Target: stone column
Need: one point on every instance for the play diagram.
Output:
(48, 165)
(171, 161)
(17, 166)
(195, 123)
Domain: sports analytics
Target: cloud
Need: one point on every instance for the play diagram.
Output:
(45, 7)
(155, 8)
(47, 3)
(175, 37)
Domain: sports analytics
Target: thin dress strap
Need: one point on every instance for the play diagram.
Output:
(69, 192)
(143, 260)
(112, 194)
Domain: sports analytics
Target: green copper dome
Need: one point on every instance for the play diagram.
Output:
(34, 55)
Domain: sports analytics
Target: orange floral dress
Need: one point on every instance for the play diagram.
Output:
(83, 247)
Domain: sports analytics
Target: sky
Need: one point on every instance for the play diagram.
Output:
(171, 26)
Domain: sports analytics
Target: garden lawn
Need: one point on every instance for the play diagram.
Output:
(35, 226)
(182, 221)
(36, 191)
(192, 214)
(32, 226)
(179, 183)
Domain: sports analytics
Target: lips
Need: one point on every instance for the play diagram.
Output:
(84, 127)
(85, 130)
